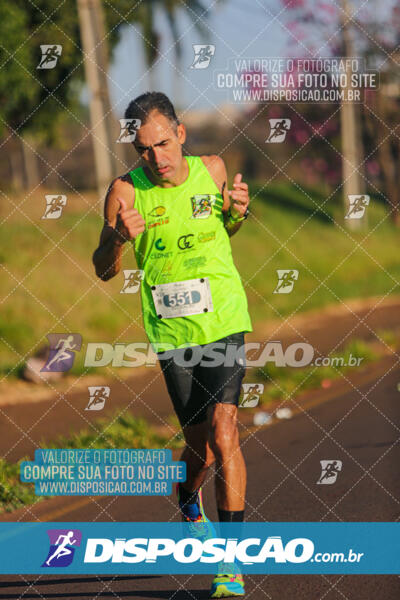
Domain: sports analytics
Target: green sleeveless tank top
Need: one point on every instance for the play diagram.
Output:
(185, 241)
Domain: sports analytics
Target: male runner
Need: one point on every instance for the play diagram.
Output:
(177, 212)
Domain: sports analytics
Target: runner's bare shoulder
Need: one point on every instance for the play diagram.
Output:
(121, 187)
(216, 167)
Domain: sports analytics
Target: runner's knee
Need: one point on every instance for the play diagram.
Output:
(224, 437)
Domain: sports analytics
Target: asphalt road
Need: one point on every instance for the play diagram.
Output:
(359, 426)
(27, 425)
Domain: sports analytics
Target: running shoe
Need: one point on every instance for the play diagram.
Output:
(227, 585)
(200, 528)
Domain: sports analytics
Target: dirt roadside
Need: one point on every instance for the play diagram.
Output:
(328, 329)
(31, 414)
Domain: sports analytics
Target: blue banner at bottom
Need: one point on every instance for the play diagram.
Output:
(194, 548)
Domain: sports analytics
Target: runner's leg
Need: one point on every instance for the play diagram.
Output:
(193, 419)
(197, 455)
(230, 479)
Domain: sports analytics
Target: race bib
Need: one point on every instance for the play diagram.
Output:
(182, 298)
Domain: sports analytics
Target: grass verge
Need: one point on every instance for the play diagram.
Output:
(51, 285)
(283, 383)
(122, 432)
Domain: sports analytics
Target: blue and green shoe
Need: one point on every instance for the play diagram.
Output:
(225, 586)
(200, 528)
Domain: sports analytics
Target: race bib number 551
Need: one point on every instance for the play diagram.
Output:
(182, 298)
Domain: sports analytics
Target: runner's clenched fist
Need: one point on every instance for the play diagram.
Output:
(130, 222)
(240, 197)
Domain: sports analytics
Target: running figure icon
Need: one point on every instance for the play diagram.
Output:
(330, 471)
(62, 549)
(63, 346)
(279, 129)
(50, 55)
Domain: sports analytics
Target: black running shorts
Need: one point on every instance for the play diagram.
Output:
(194, 387)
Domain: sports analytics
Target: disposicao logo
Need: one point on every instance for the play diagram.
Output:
(190, 550)
(62, 351)
(62, 547)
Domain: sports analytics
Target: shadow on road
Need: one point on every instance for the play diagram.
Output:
(166, 593)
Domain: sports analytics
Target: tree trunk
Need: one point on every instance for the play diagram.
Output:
(105, 130)
(16, 169)
(31, 165)
(388, 162)
(353, 182)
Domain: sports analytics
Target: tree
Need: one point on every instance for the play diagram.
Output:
(318, 25)
(381, 109)
(329, 29)
(36, 103)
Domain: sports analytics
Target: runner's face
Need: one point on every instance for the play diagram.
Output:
(159, 143)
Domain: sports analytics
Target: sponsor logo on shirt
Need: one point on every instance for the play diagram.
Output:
(185, 241)
(158, 212)
(206, 236)
(156, 255)
(195, 262)
(157, 222)
(159, 244)
(202, 205)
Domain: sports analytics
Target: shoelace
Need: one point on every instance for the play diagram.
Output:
(199, 519)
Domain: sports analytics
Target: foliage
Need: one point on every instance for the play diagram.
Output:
(38, 101)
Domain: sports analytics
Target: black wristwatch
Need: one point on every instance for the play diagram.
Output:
(240, 219)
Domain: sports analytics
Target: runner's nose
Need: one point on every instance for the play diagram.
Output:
(158, 155)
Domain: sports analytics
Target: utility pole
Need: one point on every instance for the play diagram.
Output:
(104, 126)
(353, 182)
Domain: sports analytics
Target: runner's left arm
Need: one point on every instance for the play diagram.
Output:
(239, 195)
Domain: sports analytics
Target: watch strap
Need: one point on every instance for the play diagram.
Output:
(240, 219)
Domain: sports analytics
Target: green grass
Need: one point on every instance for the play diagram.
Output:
(120, 432)
(14, 493)
(53, 288)
(282, 383)
(333, 264)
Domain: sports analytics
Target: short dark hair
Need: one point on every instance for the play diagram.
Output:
(141, 107)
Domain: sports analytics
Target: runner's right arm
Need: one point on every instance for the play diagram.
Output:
(122, 223)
